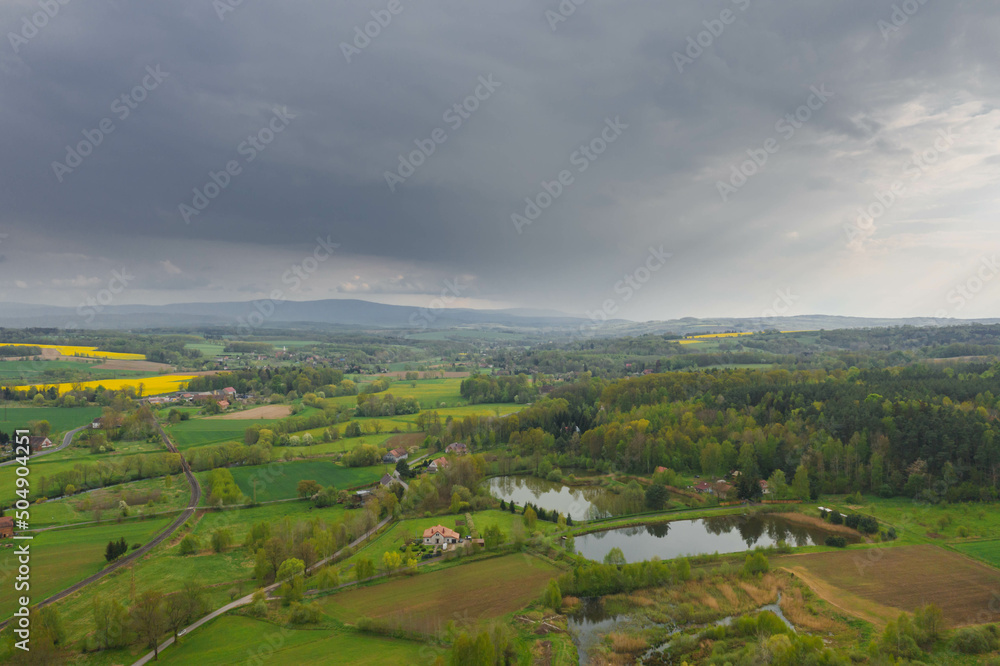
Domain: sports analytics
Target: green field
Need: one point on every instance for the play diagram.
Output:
(398, 534)
(52, 372)
(987, 551)
(279, 480)
(86, 506)
(198, 432)
(60, 418)
(60, 558)
(234, 639)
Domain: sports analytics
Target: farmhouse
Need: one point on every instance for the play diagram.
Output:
(6, 527)
(229, 391)
(39, 443)
(224, 404)
(439, 535)
(395, 456)
(764, 489)
(96, 423)
(438, 463)
(458, 448)
(387, 480)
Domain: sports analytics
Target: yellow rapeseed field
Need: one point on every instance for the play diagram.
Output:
(70, 350)
(719, 335)
(150, 385)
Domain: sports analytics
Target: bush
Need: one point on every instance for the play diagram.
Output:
(852, 521)
(975, 640)
(836, 518)
(189, 545)
(836, 541)
(305, 613)
(756, 563)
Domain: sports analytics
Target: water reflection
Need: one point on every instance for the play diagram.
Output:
(579, 503)
(719, 534)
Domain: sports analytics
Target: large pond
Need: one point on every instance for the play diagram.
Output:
(719, 534)
(579, 503)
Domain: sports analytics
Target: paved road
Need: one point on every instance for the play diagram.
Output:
(139, 552)
(67, 438)
(243, 601)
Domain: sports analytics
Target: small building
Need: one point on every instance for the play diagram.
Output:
(438, 464)
(387, 480)
(6, 527)
(395, 456)
(39, 443)
(439, 535)
(457, 448)
(703, 487)
(764, 489)
(229, 391)
(224, 404)
(96, 423)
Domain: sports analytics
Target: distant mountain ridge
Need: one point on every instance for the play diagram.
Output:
(247, 316)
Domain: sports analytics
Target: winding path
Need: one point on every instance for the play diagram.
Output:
(139, 552)
(67, 438)
(243, 601)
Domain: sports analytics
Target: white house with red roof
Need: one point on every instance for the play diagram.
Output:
(439, 535)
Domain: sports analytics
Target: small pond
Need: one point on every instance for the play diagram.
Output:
(718, 534)
(579, 503)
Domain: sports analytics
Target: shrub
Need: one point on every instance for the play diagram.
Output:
(836, 518)
(836, 541)
(756, 563)
(189, 545)
(305, 613)
(975, 640)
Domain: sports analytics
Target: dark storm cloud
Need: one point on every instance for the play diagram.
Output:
(690, 120)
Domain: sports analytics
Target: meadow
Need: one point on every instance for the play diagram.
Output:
(88, 352)
(60, 558)
(412, 528)
(467, 593)
(83, 507)
(20, 372)
(60, 419)
(237, 639)
(987, 551)
(280, 480)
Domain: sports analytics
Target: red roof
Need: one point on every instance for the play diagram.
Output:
(6, 521)
(442, 530)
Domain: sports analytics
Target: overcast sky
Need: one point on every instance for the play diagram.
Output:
(892, 106)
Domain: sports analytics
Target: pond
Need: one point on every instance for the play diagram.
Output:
(719, 534)
(594, 619)
(579, 503)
